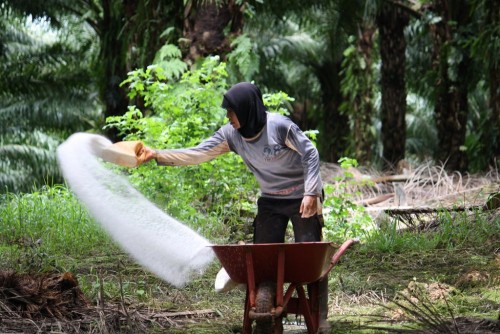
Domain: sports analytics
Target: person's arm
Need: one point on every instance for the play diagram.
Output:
(298, 141)
(205, 151)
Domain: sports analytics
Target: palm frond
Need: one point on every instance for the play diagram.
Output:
(25, 166)
(46, 91)
(48, 9)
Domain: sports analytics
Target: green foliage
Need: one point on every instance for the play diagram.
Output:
(49, 231)
(40, 230)
(312, 135)
(345, 219)
(278, 102)
(180, 112)
(243, 61)
(454, 231)
(28, 160)
(353, 64)
(421, 136)
(168, 58)
(482, 133)
(358, 91)
(301, 54)
(389, 239)
(475, 41)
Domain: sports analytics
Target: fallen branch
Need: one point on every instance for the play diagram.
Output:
(375, 200)
(186, 314)
(409, 210)
(391, 178)
(425, 210)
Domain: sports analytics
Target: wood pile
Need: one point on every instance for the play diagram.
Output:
(414, 195)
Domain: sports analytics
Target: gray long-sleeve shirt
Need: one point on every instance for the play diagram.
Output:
(282, 158)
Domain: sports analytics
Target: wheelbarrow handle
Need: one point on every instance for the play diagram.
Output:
(338, 254)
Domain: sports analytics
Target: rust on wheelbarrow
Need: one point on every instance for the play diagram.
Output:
(299, 264)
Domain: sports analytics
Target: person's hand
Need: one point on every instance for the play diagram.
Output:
(146, 154)
(309, 206)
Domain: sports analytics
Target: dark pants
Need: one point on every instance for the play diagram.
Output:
(270, 226)
(272, 220)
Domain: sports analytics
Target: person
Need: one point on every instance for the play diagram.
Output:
(282, 158)
(284, 161)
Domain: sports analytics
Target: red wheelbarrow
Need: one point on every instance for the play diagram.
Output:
(261, 266)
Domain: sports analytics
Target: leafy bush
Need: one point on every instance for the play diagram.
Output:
(345, 219)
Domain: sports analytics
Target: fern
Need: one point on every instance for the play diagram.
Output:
(168, 63)
(24, 166)
(243, 59)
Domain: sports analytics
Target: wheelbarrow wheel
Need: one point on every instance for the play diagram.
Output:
(264, 303)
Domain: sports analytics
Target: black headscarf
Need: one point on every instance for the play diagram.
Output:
(245, 99)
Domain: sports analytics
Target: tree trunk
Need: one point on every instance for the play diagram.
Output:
(391, 22)
(204, 25)
(493, 142)
(363, 104)
(451, 106)
(494, 84)
(113, 55)
(334, 126)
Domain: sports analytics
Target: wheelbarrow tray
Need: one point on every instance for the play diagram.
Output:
(299, 264)
(304, 262)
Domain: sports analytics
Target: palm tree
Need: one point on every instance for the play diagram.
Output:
(303, 56)
(46, 91)
(391, 21)
(130, 33)
(358, 89)
(68, 78)
(205, 25)
(485, 47)
(452, 54)
(451, 105)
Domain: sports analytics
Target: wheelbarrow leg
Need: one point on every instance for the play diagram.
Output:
(247, 322)
(250, 295)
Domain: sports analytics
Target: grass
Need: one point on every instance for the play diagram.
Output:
(50, 231)
(465, 260)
